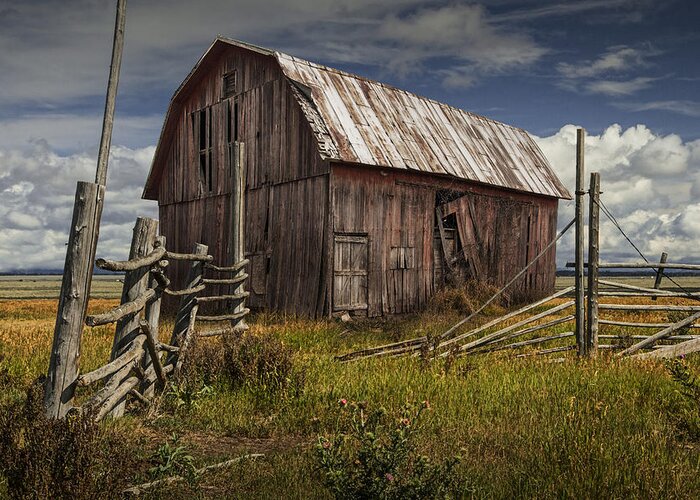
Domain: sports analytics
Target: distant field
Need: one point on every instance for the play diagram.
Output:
(110, 286)
(48, 287)
(689, 283)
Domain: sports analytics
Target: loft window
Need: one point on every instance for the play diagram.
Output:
(230, 83)
(203, 139)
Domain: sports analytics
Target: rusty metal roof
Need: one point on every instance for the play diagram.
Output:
(363, 121)
(358, 120)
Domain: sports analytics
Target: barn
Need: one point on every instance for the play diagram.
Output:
(359, 196)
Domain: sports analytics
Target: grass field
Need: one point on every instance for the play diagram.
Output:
(525, 428)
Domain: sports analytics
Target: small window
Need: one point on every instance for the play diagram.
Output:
(230, 84)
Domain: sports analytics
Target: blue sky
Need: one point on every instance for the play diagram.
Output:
(626, 70)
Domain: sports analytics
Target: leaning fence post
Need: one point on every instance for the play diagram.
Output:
(660, 272)
(153, 318)
(580, 320)
(75, 291)
(135, 283)
(238, 227)
(183, 323)
(593, 260)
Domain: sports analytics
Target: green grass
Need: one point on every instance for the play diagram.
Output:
(525, 427)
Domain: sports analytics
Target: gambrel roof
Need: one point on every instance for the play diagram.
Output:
(357, 120)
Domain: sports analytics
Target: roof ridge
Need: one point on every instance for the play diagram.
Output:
(391, 87)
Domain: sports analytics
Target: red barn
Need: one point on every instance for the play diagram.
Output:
(359, 196)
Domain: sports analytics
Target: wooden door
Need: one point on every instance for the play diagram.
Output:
(350, 272)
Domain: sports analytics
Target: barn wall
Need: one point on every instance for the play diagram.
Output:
(283, 171)
(396, 211)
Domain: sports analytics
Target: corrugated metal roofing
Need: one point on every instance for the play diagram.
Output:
(362, 121)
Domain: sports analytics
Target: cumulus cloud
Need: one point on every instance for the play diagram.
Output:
(649, 182)
(37, 188)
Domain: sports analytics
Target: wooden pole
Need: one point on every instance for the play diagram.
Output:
(593, 258)
(660, 272)
(135, 284)
(113, 83)
(187, 304)
(75, 290)
(238, 227)
(579, 296)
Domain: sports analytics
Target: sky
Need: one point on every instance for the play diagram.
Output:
(625, 70)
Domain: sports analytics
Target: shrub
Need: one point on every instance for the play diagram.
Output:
(262, 360)
(375, 457)
(463, 298)
(74, 457)
(687, 417)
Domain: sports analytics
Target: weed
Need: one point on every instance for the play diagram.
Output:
(188, 394)
(687, 416)
(373, 457)
(70, 458)
(173, 459)
(261, 360)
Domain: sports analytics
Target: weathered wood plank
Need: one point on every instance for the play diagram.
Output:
(75, 291)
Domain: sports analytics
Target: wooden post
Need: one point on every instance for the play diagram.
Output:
(153, 319)
(660, 272)
(135, 283)
(238, 225)
(112, 84)
(593, 258)
(580, 320)
(75, 290)
(187, 304)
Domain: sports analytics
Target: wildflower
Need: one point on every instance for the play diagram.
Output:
(343, 402)
(426, 404)
(389, 476)
(682, 356)
(405, 422)
(326, 444)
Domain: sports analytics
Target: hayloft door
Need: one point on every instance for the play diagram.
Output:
(350, 260)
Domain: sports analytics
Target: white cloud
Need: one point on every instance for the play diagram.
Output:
(605, 75)
(683, 107)
(37, 188)
(649, 182)
(616, 59)
(618, 88)
(465, 32)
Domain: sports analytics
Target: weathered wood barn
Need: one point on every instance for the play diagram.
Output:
(344, 178)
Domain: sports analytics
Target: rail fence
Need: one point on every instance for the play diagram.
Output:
(571, 319)
(140, 364)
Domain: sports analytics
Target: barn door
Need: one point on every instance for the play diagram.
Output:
(350, 272)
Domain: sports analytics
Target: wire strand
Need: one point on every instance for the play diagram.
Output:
(612, 218)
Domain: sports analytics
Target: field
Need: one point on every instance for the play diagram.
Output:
(523, 428)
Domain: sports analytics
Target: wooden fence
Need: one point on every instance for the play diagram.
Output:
(577, 310)
(140, 364)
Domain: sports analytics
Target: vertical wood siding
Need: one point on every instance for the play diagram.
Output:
(397, 213)
(286, 184)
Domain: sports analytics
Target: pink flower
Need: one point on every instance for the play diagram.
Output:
(426, 404)
(326, 445)
(389, 476)
(405, 422)
(343, 402)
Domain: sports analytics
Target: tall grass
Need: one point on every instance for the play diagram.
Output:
(524, 427)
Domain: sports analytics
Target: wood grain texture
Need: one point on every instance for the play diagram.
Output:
(75, 291)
